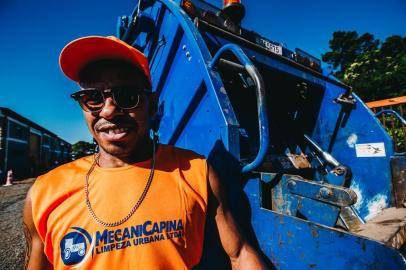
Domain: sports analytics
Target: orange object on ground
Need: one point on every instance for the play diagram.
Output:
(9, 179)
(166, 232)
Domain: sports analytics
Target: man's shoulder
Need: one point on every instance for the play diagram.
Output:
(65, 171)
(178, 152)
(76, 165)
(171, 157)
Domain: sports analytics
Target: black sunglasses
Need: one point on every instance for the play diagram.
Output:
(93, 99)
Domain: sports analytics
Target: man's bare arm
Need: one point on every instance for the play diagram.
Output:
(241, 253)
(35, 258)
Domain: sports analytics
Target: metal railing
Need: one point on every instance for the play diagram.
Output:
(260, 92)
(391, 112)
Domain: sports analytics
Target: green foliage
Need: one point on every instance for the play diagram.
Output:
(82, 148)
(399, 137)
(346, 47)
(395, 129)
(375, 70)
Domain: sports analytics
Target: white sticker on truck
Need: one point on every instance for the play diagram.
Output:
(370, 150)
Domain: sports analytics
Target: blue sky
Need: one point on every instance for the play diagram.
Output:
(34, 32)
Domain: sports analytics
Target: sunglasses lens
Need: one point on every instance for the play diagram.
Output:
(127, 98)
(92, 100)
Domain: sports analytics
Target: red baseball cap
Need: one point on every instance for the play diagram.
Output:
(82, 51)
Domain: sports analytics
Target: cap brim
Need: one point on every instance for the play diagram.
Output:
(80, 52)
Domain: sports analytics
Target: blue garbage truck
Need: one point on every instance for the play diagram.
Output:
(311, 175)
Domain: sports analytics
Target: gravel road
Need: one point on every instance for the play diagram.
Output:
(12, 242)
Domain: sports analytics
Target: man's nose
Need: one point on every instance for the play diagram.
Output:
(110, 109)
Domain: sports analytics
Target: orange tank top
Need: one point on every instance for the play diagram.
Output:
(166, 232)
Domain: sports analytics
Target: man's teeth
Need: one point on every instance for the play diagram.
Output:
(117, 131)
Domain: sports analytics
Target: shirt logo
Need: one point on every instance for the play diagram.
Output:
(76, 247)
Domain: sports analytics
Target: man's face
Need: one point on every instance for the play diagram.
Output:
(118, 132)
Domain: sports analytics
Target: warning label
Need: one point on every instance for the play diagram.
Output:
(370, 150)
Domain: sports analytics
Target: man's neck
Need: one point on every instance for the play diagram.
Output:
(142, 153)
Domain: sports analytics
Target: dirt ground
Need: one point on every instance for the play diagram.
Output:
(12, 242)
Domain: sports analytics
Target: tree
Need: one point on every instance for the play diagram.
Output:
(346, 47)
(82, 148)
(375, 70)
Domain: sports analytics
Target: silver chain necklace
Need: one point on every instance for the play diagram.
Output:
(140, 200)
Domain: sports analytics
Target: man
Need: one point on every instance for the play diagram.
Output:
(135, 204)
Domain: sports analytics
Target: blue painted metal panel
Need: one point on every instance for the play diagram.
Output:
(311, 200)
(293, 243)
(340, 134)
(167, 44)
(185, 54)
(173, 96)
(200, 127)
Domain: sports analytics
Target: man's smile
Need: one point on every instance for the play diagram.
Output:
(114, 132)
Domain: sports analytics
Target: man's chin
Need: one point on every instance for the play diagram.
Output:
(117, 149)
